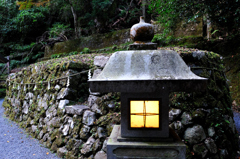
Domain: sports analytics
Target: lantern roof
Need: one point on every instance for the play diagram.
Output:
(146, 71)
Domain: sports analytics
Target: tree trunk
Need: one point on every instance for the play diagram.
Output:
(77, 28)
(209, 28)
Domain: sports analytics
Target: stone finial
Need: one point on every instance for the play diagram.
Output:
(142, 32)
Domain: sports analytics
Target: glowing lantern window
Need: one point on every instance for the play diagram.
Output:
(144, 114)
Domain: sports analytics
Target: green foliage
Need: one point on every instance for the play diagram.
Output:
(59, 29)
(225, 14)
(31, 19)
(8, 10)
(21, 48)
(86, 50)
(18, 25)
(14, 64)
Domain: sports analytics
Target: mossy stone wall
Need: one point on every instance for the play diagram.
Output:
(203, 120)
(93, 42)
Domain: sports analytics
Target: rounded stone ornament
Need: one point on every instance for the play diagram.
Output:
(142, 31)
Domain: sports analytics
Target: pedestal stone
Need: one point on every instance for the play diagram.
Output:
(143, 149)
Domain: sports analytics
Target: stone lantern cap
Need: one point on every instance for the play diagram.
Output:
(146, 71)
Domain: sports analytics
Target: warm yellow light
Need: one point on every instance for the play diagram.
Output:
(144, 114)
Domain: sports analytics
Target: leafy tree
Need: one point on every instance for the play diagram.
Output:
(28, 4)
(8, 10)
(224, 13)
(31, 22)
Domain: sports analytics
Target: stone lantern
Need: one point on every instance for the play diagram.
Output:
(145, 78)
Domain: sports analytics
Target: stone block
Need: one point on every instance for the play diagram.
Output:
(91, 100)
(174, 113)
(100, 155)
(76, 109)
(62, 104)
(66, 93)
(100, 61)
(61, 152)
(154, 150)
(89, 118)
(84, 132)
(195, 134)
(96, 73)
(87, 147)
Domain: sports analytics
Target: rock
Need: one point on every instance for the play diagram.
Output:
(57, 87)
(104, 147)
(195, 134)
(46, 137)
(177, 126)
(29, 96)
(34, 128)
(200, 150)
(55, 122)
(186, 119)
(101, 132)
(67, 93)
(96, 73)
(198, 54)
(223, 154)
(88, 118)
(61, 152)
(76, 109)
(211, 132)
(73, 145)
(42, 104)
(40, 135)
(112, 105)
(65, 129)
(17, 103)
(46, 97)
(62, 104)
(100, 61)
(87, 147)
(49, 112)
(13, 102)
(96, 109)
(91, 100)
(100, 155)
(84, 132)
(20, 118)
(96, 145)
(54, 147)
(209, 142)
(25, 107)
(174, 113)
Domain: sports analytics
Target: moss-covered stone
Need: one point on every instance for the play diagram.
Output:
(54, 134)
(96, 41)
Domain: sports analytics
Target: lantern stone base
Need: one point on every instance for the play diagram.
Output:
(117, 148)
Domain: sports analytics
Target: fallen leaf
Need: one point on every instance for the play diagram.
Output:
(4, 134)
(7, 141)
(47, 153)
(33, 154)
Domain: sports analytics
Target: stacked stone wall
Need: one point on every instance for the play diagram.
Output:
(204, 121)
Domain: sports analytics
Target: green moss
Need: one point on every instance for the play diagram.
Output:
(54, 134)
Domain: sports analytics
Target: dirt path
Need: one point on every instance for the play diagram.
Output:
(16, 144)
